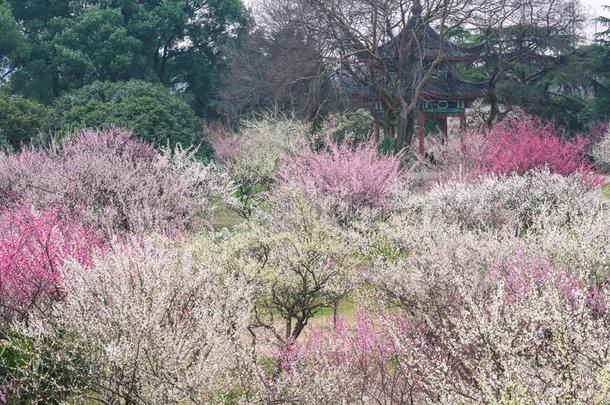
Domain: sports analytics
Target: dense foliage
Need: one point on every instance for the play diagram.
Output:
(21, 121)
(152, 112)
(72, 44)
(162, 241)
(485, 287)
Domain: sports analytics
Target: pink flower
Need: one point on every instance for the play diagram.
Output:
(349, 179)
(522, 145)
(33, 246)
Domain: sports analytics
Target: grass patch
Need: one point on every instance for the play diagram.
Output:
(346, 309)
(606, 190)
(225, 217)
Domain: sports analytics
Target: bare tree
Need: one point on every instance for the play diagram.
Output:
(380, 52)
(279, 67)
(376, 46)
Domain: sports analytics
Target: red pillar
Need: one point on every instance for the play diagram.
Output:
(376, 132)
(421, 131)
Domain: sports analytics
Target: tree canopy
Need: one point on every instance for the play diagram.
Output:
(179, 43)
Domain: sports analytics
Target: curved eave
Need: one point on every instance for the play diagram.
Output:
(454, 97)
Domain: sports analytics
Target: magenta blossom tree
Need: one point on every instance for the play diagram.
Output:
(33, 246)
(525, 144)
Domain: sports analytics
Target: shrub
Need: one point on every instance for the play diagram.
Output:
(548, 344)
(491, 316)
(299, 259)
(534, 332)
(348, 364)
(255, 154)
(521, 145)
(33, 246)
(111, 180)
(349, 180)
(37, 368)
(163, 323)
(268, 134)
(514, 201)
(21, 121)
(149, 110)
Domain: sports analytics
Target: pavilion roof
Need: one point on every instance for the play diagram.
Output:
(452, 87)
(430, 42)
(449, 87)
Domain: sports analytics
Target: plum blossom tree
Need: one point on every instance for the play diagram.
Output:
(33, 247)
(161, 321)
(345, 364)
(298, 257)
(347, 180)
(254, 154)
(111, 180)
(525, 144)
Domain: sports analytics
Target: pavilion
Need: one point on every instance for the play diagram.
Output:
(444, 95)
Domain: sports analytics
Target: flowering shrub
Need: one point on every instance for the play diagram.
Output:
(493, 313)
(160, 323)
(33, 246)
(38, 368)
(299, 259)
(344, 365)
(114, 181)
(495, 202)
(525, 144)
(515, 146)
(490, 290)
(533, 335)
(348, 180)
(254, 155)
(266, 135)
(478, 324)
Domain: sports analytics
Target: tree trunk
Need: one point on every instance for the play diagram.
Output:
(494, 110)
(405, 129)
(335, 314)
(288, 327)
(298, 328)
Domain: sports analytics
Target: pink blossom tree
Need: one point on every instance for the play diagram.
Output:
(33, 246)
(115, 182)
(349, 180)
(346, 364)
(524, 144)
